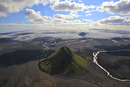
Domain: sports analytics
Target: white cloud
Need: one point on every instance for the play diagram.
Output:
(72, 22)
(80, 0)
(69, 16)
(119, 7)
(87, 21)
(67, 22)
(54, 21)
(116, 20)
(88, 14)
(90, 6)
(34, 16)
(76, 21)
(68, 6)
(44, 2)
(14, 6)
(59, 16)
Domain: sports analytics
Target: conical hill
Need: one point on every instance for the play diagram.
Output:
(64, 62)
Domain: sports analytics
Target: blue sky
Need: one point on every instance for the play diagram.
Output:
(101, 14)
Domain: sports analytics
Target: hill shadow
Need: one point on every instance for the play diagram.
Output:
(21, 56)
(5, 40)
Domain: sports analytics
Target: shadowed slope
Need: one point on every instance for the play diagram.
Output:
(64, 62)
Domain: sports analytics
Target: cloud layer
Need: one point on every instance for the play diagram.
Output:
(119, 7)
(14, 6)
(69, 16)
(34, 16)
(116, 20)
(67, 13)
(68, 6)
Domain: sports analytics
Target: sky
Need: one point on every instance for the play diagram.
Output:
(65, 15)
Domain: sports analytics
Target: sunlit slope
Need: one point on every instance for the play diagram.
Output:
(64, 62)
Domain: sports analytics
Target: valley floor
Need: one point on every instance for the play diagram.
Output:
(19, 65)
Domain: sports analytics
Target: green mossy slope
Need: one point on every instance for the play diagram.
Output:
(64, 62)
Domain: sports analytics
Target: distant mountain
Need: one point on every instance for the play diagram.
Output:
(64, 62)
(82, 34)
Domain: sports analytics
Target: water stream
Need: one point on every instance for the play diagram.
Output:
(95, 54)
